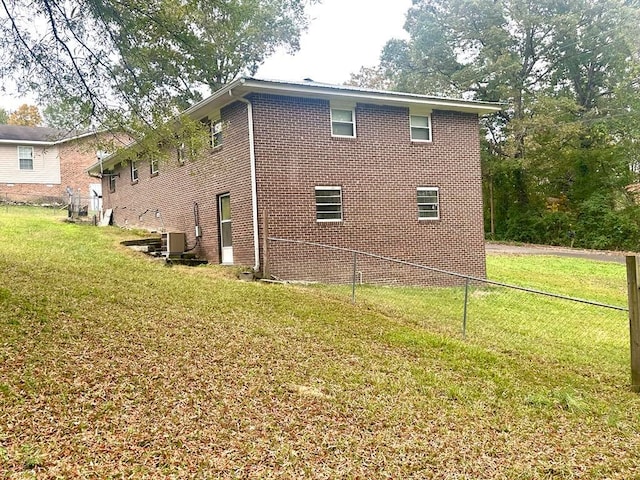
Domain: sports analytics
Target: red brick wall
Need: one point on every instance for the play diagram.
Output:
(32, 193)
(379, 172)
(174, 190)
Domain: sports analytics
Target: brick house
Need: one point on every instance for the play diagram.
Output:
(389, 173)
(39, 164)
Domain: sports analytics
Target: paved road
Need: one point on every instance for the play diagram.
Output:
(528, 249)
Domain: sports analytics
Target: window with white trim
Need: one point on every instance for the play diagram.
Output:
(25, 158)
(420, 128)
(154, 166)
(428, 203)
(134, 171)
(343, 122)
(328, 204)
(181, 154)
(216, 133)
(112, 182)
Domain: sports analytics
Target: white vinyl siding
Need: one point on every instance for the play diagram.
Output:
(343, 122)
(45, 161)
(420, 128)
(329, 204)
(428, 203)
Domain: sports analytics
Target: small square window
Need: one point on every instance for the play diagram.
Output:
(154, 166)
(328, 204)
(25, 158)
(134, 171)
(420, 128)
(428, 203)
(343, 123)
(216, 133)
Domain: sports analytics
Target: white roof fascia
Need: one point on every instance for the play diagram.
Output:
(244, 86)
(27, 142)
(370, 96)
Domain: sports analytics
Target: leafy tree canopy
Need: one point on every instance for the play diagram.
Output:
(568, 73)
(139, 59)
(25, 115)
(68, 114)
(4, 116)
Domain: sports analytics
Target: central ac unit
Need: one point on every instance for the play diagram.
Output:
(174, 243)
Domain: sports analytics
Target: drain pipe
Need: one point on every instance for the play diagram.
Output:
(254, 190)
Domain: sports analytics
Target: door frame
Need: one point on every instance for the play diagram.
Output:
(226, 252)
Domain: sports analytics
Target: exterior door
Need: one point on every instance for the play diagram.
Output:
(95, 197)
(226, 244)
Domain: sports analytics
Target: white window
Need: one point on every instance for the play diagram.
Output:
(25, 158)
(134, 171)
(112, 182)
(216, 133)
(343, 122)
(154, 166)
(181, 154)
(328, 204)
(420, 128)
(428, 203)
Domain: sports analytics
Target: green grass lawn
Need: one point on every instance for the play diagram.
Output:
(115, 366)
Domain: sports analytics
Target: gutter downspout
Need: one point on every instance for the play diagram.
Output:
(254, 189)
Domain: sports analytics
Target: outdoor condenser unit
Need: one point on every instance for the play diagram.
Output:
(174, 243)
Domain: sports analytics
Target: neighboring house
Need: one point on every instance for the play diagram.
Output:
(390, 173)
(39, 164)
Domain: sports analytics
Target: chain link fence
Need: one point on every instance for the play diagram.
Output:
(590, 336)
(77, 206)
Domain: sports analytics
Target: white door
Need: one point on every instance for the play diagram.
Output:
(226, 243)
(95, 197)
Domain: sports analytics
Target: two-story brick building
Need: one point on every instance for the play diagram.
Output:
(389, 173)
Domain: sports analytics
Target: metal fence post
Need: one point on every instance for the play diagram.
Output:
(464, 312)
(633, 276)
(353, 285)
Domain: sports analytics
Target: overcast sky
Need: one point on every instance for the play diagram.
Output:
(343, 36)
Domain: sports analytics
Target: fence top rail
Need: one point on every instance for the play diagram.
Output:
(453, 274)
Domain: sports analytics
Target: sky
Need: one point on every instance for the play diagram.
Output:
(343, 35)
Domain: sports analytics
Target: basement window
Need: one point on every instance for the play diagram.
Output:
(329, 204)
(428, 203)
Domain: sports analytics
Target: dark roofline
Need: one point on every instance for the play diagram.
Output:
(18, 134)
